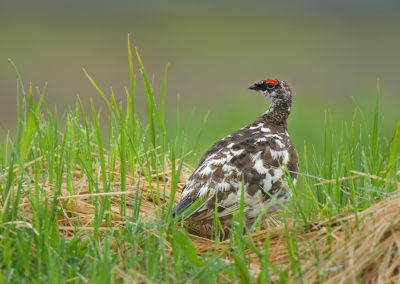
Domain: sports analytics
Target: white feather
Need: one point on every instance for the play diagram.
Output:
(255, 156)
(280, 144)
(273, 136)
(206, 171)
(259, 167)
(237, 153)
(265, 129)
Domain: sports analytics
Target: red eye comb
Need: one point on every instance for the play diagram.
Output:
(273, 81)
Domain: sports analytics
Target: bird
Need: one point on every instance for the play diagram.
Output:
(252, 159)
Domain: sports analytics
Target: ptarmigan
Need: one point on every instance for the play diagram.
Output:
(257, 154)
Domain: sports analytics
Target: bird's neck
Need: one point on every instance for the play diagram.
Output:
(278, 111)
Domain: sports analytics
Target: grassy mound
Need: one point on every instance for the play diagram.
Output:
(351, 248)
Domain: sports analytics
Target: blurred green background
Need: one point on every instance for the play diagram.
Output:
(330, 52)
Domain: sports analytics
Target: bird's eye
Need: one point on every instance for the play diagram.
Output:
(270, 85)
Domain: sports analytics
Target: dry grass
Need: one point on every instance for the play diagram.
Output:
(367, 252)
(367, 249)
(78, 209)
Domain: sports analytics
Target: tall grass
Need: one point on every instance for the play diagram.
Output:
(48, 153)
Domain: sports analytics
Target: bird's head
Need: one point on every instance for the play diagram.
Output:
(273, 89)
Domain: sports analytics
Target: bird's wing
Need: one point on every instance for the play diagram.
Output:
(255, 157)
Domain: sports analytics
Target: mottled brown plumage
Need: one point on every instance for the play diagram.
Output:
(256, 154)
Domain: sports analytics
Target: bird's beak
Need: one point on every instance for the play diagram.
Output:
(255, 86)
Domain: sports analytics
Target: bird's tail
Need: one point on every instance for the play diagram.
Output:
(181, 207)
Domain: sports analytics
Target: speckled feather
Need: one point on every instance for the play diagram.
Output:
(255, 154)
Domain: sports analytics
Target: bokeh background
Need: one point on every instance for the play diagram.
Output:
(330, 52)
